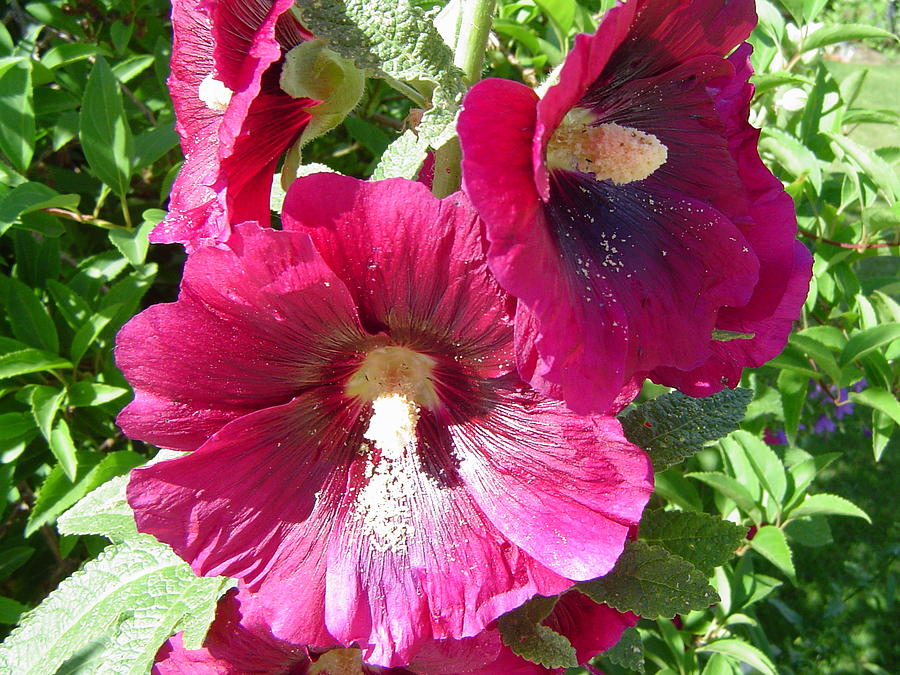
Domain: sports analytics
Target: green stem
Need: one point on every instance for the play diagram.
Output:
(126, 214)
(475, 22)
(475, 19)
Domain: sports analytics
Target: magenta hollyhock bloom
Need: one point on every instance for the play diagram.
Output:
(629, 211)
(234, 119)
(237, 644)
(363, 447)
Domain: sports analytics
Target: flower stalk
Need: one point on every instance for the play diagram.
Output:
(475, 19)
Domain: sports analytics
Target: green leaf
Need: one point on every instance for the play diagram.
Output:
(153, 144)
(133, 244)
(127, 601)
(628, 652)
(770, 542)
(880, 172)
(73, 308)
(829, 35)
(819, 352)
(674, 426)
(702, 539)
(882, 431)
(104, 511)
(58, 493)
(812, 531)
(879, 399)
(651, 582)
(90, 331)
(29, 197)
(765, 463)
(63, 448)
(793, 155)
(826, 504)
(26, 361)
(523, 633)
(869, 339)
(731, 488)
(45, 402)
(104, 131)
(560, 12)
(15, 424)
(66, 53)
(29, 319)
(793, 387)
(743, 652)
(95, 271)
(11, 610)
(84, 394)
(13, 558)
(17, 105)
(395, 39)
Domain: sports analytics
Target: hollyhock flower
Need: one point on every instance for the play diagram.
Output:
(363, 447)
(243, 97)
(629, 211)
(237, 645)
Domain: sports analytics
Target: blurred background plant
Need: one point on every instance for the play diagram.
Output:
(88, 155)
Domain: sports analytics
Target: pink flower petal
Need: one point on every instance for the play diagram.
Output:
(236, 341)
(617, 281)
(408, 274)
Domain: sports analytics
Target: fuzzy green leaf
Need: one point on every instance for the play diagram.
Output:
(628, 652)
(104, 511)
(703, 540)
(651, 582)
(394, 39)
(116, 611)
(522, 632)
(674, 426)
(58, 493)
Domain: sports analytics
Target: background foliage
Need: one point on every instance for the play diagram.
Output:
(87, 155)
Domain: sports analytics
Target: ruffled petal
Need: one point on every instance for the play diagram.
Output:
(563, 487)
(197, 124)
(268, 518)
(251, 328)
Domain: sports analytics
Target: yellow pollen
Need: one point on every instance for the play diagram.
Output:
(393, 424)
(396, 381)
(609, 150)
(394, 370)
(338, 662)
